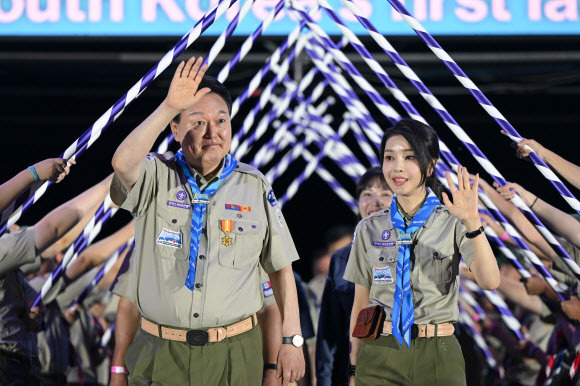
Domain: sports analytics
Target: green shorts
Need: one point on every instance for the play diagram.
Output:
(155, 361)
(429, 361)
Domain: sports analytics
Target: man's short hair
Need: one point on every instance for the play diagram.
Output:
(216, 87)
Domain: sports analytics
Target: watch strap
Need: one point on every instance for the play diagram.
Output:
(270, 366)
(475, 233)
(287, 340)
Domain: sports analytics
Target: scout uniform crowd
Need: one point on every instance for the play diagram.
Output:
(204, 291)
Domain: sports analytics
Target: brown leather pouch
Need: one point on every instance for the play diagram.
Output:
(369, 323)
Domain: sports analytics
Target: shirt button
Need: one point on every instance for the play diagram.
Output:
(174, 221)
(198, 285)
(202, 257)
(381, 258)
(241, 229)
(196, 315)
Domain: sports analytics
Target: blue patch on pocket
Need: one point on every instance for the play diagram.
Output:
(382, 276)
(170, 238)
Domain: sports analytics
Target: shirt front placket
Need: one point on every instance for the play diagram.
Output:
(199, 294)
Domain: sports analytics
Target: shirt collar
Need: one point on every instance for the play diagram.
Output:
(202, 183)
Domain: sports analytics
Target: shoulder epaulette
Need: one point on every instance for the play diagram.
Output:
(245, 168)
(380, 213)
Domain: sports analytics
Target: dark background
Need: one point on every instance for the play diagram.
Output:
(53, 89)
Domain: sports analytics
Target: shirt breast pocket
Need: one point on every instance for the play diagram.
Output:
(173, 233)
(383, 265)
(241, 248)
(435, 265)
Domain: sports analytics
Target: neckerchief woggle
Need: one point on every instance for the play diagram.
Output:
(403, 309)
(199, 206)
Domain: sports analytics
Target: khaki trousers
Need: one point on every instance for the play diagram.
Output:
(233, 361)
(434, 361)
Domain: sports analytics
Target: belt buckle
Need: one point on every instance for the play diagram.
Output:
(197, 337)
(414, 331)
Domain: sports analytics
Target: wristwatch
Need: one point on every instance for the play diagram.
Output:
(296, 340)
(475, 233)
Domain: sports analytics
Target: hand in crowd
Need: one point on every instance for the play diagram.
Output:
(35, 315)
(572, 308)
(535, 285)
(71, 314)
(53, 169)
(525, 147)
(291, 365)
(507, 192)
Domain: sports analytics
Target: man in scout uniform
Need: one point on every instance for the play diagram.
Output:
(203, 224)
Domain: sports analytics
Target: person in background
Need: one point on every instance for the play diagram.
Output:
(18, 348)
(332, 345)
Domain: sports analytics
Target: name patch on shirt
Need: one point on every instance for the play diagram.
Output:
(180, 205)
(170, 238)
(382, 275)
(267, 289)
(239, 208)
(384, 244)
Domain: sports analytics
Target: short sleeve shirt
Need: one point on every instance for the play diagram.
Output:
(227, 280)
(560, 270)
(15, 249)
(438, 247)
(267, 290)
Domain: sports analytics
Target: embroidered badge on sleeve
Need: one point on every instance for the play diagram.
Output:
(267, 289)
(272, 198)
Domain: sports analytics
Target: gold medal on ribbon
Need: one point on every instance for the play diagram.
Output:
(227, 226)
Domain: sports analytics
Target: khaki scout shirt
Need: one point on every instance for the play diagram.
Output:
(228, 286)
(16, 249)
(437, 249)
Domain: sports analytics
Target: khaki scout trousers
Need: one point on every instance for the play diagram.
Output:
(233, 361)
(429, 361)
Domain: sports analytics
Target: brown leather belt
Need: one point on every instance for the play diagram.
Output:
(199, 337)
(424, 330)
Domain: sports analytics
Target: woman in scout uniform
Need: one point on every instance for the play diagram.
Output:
(405, 259)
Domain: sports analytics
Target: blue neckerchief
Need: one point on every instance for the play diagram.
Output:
(403, 309)
(199, 208)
